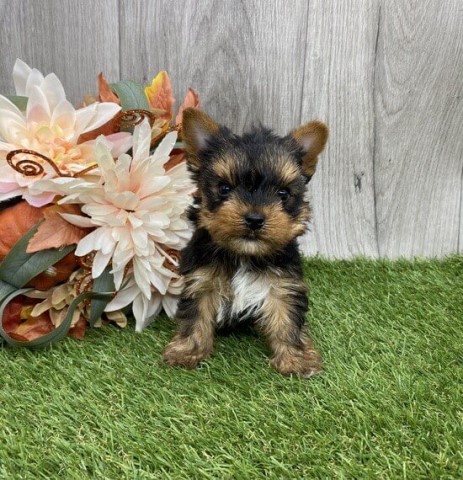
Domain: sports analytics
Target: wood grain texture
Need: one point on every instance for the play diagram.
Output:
(419, 140)
(460, 247)
(74, 39)
(338, 89)
(245, 58)
(385, 75)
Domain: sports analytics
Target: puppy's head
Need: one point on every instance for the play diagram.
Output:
(251, 187)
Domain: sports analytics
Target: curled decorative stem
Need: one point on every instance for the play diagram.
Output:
(172, 258)
(29, 167)
(32, 168)
(131, 118)
(156, 139)
(85, 170)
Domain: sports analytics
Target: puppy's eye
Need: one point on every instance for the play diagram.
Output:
(283, 194)
(224, 189)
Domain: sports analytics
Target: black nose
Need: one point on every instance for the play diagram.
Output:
(254, 221)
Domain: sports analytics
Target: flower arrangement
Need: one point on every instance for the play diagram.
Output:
(92, 206)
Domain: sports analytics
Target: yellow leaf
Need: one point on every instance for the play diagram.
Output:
(159, 94)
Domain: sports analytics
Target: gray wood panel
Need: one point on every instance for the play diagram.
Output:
(245, 58)
(460, 236)
(460, 249)
(74, 39)
(386, 75)
(338, 88)
(419, 141)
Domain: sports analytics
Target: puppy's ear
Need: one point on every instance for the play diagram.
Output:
(197, 129)
(312, 138)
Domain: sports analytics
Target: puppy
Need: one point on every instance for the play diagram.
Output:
(242, 262)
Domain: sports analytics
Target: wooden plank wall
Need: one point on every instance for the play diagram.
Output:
(386, 75)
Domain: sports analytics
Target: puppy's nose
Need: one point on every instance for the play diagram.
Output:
(254, 221)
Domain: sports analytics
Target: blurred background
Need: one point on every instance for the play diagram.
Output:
(385, 75)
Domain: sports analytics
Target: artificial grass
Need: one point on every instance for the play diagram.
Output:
(388, 406)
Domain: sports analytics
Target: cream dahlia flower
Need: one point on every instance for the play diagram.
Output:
(146, 309)
(138, 212)
(50, 126)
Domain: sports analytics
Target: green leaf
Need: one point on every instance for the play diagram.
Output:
(5, 290)
(20, 102)
(54, 336)
(103, 284)
(19, 267)
(131, 94)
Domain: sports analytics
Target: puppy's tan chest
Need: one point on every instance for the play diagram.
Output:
(247, 292)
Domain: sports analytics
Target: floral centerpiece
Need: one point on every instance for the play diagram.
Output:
(92, 206)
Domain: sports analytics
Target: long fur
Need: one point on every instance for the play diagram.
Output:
(237, 271)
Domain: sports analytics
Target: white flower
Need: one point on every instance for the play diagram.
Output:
(138, 210)
(50, 126)
(146, 309)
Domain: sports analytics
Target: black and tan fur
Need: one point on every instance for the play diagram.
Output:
(243, 263)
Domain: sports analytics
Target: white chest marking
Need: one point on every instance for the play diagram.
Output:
(249, 290)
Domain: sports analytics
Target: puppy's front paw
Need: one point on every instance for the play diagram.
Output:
(305, 363)
(182, 352)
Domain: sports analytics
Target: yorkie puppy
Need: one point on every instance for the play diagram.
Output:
(243, 263)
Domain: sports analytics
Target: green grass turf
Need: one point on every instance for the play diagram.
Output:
(388, 406)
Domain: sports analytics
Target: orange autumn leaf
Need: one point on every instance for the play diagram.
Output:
(107, 129)
(105, 94)
(78, 330)
(105, 91)
(191, 100)
(55, 231)
(33, 327)
(12, 315)
(15, 221)
(18, 323)
(159, 94)
(56, 274)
